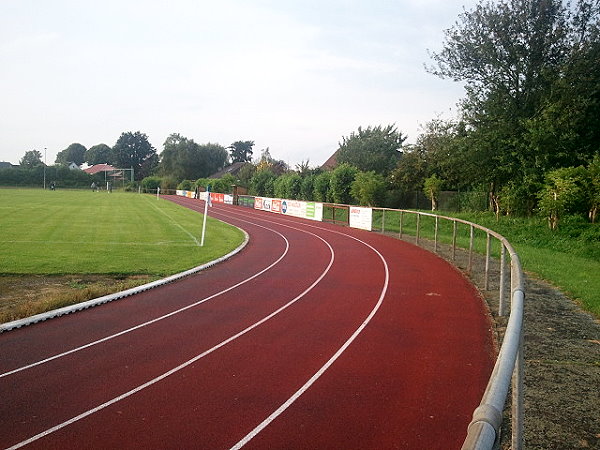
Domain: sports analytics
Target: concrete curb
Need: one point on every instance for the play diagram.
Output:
(118, 295)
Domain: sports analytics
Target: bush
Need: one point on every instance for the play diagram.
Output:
(186, 185)
(369, 188)
(564, 193)
(150, 184)
(322, 188)
(341, 182)
(168, 185)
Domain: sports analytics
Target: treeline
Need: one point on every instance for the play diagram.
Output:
(527, 133)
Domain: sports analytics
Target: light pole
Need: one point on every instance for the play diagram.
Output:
(44, 168)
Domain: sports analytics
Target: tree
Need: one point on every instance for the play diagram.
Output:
(562, 194)
(98, 154)
(133, 150)
(182, 158)
(432, 187)
(241, 151)
(373, 149)
(73, 153)
(369, 188)
(532, 104)
(266, 161)
(322, 187)
(214, 156)
(262, 183)
(31, 158)
(341, 181)
(594, 188)
(410, 171)
(288, 186)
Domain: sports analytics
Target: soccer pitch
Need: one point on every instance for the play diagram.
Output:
(84, 232)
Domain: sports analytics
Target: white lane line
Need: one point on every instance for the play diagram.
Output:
(157, 319)
(328, 364)
(175, 223)
(185, 364)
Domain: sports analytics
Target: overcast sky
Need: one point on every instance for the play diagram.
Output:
(294, 76)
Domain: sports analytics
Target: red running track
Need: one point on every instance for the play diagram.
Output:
(313, 337)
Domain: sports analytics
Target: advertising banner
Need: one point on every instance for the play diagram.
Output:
(361, 218)
(188, 194)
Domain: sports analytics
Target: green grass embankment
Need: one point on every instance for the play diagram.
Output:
(569, 258)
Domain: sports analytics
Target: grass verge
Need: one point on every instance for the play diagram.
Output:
(568, 258)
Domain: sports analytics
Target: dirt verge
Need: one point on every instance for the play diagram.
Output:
(24, 296)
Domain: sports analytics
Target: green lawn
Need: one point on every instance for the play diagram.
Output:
(568, 258)
(70, 232)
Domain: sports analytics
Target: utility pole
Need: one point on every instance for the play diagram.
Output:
(44, 168)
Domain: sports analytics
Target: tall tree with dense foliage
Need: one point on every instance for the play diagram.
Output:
(528, 66)
(73, 153)
(98, 154)
(31, 158)
(374, 149)
(215, 157)
(133, 150)
(184, 159)
(241, 151)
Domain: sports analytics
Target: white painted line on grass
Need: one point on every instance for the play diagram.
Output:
(175, 222)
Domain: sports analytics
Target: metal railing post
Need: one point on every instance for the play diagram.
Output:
(418, 223)
(401, 222)
(486, 283)
(435, 236)
(383, 220)
(470, 265)
(501, 297)
(454, 225)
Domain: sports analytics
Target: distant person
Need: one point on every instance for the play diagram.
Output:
(94, 187)
(52, 186)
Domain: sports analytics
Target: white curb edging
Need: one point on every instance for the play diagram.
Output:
(118, 295)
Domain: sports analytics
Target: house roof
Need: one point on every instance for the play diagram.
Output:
(233, 169)
(99, 168)
(331, 163)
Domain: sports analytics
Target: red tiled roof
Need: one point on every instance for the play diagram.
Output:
(99, 168)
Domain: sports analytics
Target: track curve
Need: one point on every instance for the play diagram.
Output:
(410, 371)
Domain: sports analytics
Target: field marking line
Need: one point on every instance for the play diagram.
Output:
(335, 356)
(186, 363)
(157, 319)
(185, 243)
(174, 222)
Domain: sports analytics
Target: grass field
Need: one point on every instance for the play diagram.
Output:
(568, 258)
(72, 232)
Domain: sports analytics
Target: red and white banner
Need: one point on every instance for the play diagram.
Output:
(361, 218)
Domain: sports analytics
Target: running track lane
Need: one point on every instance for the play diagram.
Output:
(410, 379)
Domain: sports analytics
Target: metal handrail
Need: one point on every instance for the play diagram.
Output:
(484, 430)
